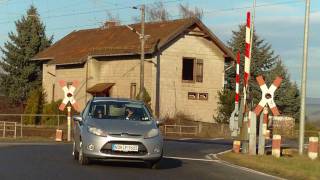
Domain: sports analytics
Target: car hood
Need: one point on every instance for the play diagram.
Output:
(118, 127)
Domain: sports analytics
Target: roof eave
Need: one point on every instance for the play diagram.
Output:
(42, 59)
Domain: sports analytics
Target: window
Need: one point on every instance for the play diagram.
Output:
(192, 70)
(133, 87)
(192, 95)
(119, 110)
(187, 69)
(203, 96)
(199, 70)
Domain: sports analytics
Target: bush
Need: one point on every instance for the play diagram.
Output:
(52, 109)
(34, 105)
(225, 106)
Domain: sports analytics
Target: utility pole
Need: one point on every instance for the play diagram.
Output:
(142, 39)
(304, 77)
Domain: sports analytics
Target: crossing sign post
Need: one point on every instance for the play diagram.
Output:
(69, 98)
(267, 99)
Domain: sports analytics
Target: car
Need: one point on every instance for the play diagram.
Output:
(117, 129)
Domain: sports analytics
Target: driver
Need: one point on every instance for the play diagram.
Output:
(129, 113)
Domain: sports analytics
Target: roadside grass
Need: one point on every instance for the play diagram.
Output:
(295, 167)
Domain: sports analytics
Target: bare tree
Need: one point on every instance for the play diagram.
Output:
(187, 12)
(113, 18)
(157, 12)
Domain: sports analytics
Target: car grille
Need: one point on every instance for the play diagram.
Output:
(107, 148)
(125, 135)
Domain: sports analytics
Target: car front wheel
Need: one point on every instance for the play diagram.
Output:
(83, 159)
(75, 152)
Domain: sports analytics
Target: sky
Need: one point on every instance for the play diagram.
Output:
(278, 22)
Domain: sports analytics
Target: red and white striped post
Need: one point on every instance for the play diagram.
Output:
(313, 147)
(234, 118)
(237, 81)
(236, 146)
(267, 136)
(265, 121)
(247, 58)
(276, 145)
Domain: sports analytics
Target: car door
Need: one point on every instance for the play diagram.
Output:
(78, 125)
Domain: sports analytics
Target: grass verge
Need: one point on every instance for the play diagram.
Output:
(296, 167)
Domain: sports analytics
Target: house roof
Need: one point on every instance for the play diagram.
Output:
(120, 40)
(101, 87)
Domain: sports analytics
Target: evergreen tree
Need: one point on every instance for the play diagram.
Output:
(22, 75)
(263, 62)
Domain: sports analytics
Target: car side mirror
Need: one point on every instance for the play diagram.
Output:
(77, 118)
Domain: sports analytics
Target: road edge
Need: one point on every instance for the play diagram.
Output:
(219, 160)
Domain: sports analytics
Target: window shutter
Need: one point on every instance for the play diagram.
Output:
(199, 70)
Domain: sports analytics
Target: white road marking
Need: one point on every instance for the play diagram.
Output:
(190, 159)
(220, 161)
(213, 139)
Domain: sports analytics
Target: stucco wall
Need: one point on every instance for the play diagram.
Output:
(122, 73)
(67, 74)
(174, 92)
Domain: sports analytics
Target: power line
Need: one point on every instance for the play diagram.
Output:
(90, 12)
(208, 12)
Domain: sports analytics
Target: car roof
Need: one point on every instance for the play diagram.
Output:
(94, 99)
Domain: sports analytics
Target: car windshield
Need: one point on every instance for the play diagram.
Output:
(118, 110)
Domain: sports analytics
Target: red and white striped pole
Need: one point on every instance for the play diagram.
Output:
(237, 82)
(276, 145)
(267, 136)
(313, 147)
(247, 58)
(265, 121)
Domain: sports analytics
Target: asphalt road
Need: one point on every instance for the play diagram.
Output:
(183, 160)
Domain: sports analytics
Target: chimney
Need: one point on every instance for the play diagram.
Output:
(109, 24)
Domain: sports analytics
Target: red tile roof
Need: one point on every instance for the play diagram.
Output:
(120, 40)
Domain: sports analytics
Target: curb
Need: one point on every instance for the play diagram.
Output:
(219, 160)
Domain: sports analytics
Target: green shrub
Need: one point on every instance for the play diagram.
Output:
(34, 105)
(51, 109)
(225, 106)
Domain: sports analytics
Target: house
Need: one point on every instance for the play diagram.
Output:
(183, 68)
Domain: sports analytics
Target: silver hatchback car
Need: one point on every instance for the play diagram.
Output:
(120, 129)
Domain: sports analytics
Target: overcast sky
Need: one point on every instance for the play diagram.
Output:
(279, 22)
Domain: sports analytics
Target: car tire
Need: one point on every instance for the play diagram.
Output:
(75, 152)
(83, 159)
(152, 164)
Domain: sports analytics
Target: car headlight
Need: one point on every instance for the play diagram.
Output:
(152, 133)
(97, 131)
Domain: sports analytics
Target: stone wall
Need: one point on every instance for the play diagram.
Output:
(282, 125)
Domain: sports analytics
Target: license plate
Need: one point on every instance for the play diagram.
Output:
(125, 148)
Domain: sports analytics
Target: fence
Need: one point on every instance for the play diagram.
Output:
(180, 129)
(7, 127)
(16, 121)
